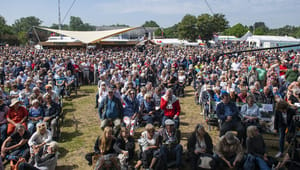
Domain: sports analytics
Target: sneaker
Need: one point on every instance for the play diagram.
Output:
(279, 154)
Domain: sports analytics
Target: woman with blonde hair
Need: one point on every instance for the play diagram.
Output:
(149, 143)
(40, 138)
(256, 149)
(104, 149)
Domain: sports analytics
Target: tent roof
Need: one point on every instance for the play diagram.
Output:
(272, 38)
(89, 36)
(245, 36)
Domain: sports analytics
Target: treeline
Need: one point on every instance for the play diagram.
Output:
(205, 26)
(190, 28)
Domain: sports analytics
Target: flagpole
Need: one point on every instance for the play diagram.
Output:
(59, 18)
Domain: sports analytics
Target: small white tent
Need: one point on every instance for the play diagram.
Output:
(245, 36)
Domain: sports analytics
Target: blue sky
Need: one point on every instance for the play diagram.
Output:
(275, 13)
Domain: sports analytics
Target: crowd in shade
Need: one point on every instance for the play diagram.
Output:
(244, 94)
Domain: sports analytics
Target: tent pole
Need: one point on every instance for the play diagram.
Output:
(37, 36)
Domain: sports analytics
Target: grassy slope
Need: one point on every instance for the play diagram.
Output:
(81, 127)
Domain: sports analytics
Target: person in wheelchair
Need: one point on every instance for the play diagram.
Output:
(104, 150)
(51, 116)
(171, 149)
(70, 83)
(228, 113)
(250, 112)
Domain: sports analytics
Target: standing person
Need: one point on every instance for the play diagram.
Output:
(111, 108)
(283, 120)
(16, 114)
(169, 104)
(199, 144)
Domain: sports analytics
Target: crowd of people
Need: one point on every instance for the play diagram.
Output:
(140, 88)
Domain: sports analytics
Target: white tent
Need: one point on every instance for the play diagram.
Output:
(88, 37)
(271, 41)
(245, 36)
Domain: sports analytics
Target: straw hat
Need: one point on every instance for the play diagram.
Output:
(13, 102)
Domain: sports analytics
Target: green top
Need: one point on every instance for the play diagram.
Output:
(261, 73)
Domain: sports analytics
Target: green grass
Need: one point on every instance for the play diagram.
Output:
(82, 126)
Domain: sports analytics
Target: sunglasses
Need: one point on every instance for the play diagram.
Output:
(41, 126)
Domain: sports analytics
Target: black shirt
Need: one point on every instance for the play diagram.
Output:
(16, 138)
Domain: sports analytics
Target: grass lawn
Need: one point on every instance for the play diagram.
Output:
(81, 128)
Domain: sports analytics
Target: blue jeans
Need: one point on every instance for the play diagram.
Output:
(166, 153)
(175, 120)
(32, 125)
(148, 118)
(262, 164)
(281, 139)
(3, 131)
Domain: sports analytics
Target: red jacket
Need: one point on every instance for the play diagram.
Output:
(170, 108)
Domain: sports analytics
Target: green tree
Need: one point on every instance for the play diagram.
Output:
(23, 25)
(63, 27)
(26, 23)
(208, 25)
(76, 24)
(171, 32)
(150, 23)
(187, 28)
(237, 30)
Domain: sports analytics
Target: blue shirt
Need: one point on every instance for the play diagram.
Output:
(111, 110)
(228, 111)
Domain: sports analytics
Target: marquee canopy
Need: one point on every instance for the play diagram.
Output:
(88, 37)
